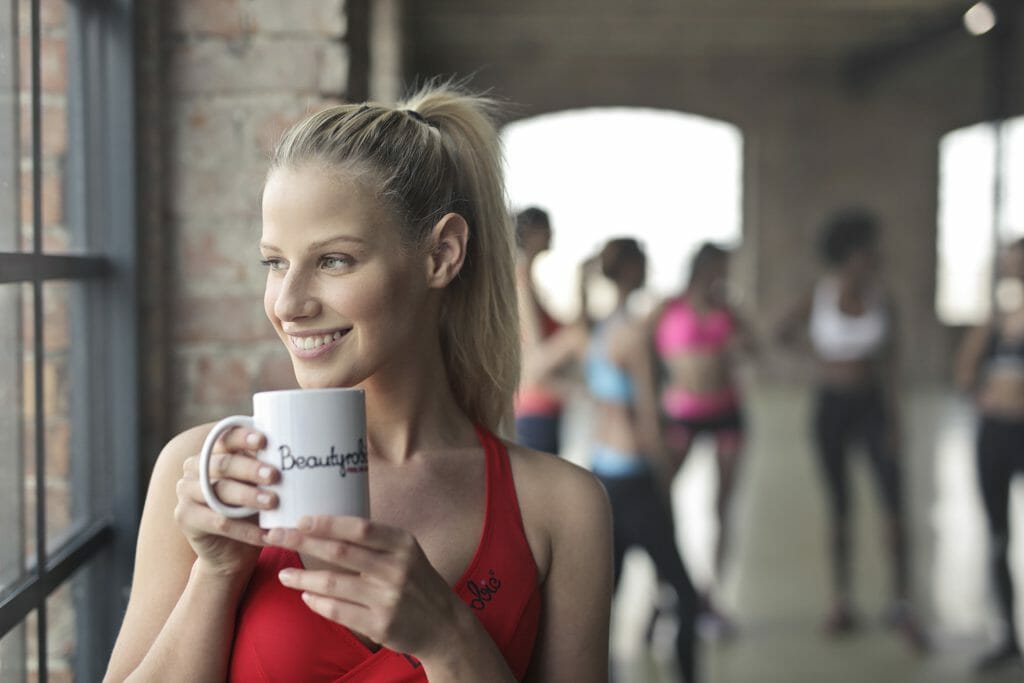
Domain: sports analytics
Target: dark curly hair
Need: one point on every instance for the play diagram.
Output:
(616, 254)
(846, 232)
(529, 219)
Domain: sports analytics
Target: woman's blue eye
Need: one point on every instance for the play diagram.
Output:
(272, 263)
(334, 262)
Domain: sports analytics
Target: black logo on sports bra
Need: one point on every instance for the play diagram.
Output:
(413, 662)
(483, 591)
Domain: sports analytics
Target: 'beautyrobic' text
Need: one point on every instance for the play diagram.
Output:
(347, 463)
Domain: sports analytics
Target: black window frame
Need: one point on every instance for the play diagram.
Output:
(100, 190)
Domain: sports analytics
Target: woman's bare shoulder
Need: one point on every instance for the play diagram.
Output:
(558, 500)
(546, 473)
(180, 448)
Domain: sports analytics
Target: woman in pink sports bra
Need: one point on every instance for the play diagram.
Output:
(387, 244)
(698, 338)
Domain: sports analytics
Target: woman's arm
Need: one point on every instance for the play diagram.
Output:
(572, 644)
(794, 322)
(180, 619)
(968, 358)
(632, 348)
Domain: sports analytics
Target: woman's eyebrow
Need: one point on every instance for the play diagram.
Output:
(321, 243)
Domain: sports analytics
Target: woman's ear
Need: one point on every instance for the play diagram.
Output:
(448, 241)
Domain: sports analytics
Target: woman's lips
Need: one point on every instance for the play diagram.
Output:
(315, 345)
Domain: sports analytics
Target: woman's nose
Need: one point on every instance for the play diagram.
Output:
(296, 298)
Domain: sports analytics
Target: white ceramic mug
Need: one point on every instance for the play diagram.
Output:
(316, 438)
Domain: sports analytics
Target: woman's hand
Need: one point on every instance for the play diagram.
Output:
(226, 546)
(380, 583)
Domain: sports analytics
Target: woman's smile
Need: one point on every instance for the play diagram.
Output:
(315, 344)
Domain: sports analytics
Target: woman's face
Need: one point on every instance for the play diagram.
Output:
(635, 273)
(537, 238)
(862, 263)
(346, 300)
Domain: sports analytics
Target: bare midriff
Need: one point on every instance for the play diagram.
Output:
(615, 427)
(699, 372)
(1002, 394)
(850, 374)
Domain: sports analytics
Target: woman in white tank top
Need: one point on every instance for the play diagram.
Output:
(849, 321)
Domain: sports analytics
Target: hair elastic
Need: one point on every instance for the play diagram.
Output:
(419, 117)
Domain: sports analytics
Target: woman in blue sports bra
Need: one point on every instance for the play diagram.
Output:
(627, 454)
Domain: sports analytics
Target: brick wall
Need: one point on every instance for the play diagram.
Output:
(220, 80)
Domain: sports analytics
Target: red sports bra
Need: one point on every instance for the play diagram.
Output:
(278, 638)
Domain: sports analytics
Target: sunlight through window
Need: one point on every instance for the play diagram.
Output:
(671, 180)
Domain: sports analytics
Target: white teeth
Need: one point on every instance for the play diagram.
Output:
(307, 343)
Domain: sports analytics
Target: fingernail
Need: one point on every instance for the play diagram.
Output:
(286, 575)
(220, 464)
(253, 440)
(275, 536)
(306, 523)
(263, 498)
(265, 473)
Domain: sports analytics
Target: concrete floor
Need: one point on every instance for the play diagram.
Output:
(776, 584)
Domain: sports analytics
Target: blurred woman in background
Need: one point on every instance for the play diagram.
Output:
(990, 366)
(627, 454)
(697, 336)
(547, 346)
(850, 319)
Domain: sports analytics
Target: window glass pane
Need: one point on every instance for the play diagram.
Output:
(23, 143)
(9, 221)
(13, 399)
(14, 655)
(71, 499)
(61, 635)
(58, 233)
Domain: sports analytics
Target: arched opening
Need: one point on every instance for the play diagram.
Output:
(975, 216)
(670, 179)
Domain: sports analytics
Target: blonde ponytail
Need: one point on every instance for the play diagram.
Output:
(439, 152)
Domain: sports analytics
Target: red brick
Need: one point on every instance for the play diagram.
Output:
(206, 67)
(56, 388)
(270, 126)
(218, 379)
(231, 188)
(55, 128)
(52, 200)
(53, 65)
(52, 16)
(222, 319)
(223, 18)
(276, 372)
(315, 17)
(56, 335)
(214, 257)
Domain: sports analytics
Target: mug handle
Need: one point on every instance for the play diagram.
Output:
(205, 484)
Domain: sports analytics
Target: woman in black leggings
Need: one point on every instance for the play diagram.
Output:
(627, 455)
(850, 321)
(991, 366)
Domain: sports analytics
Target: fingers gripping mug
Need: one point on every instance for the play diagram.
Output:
(316, 438)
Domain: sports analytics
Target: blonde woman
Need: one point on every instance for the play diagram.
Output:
(386, 229)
